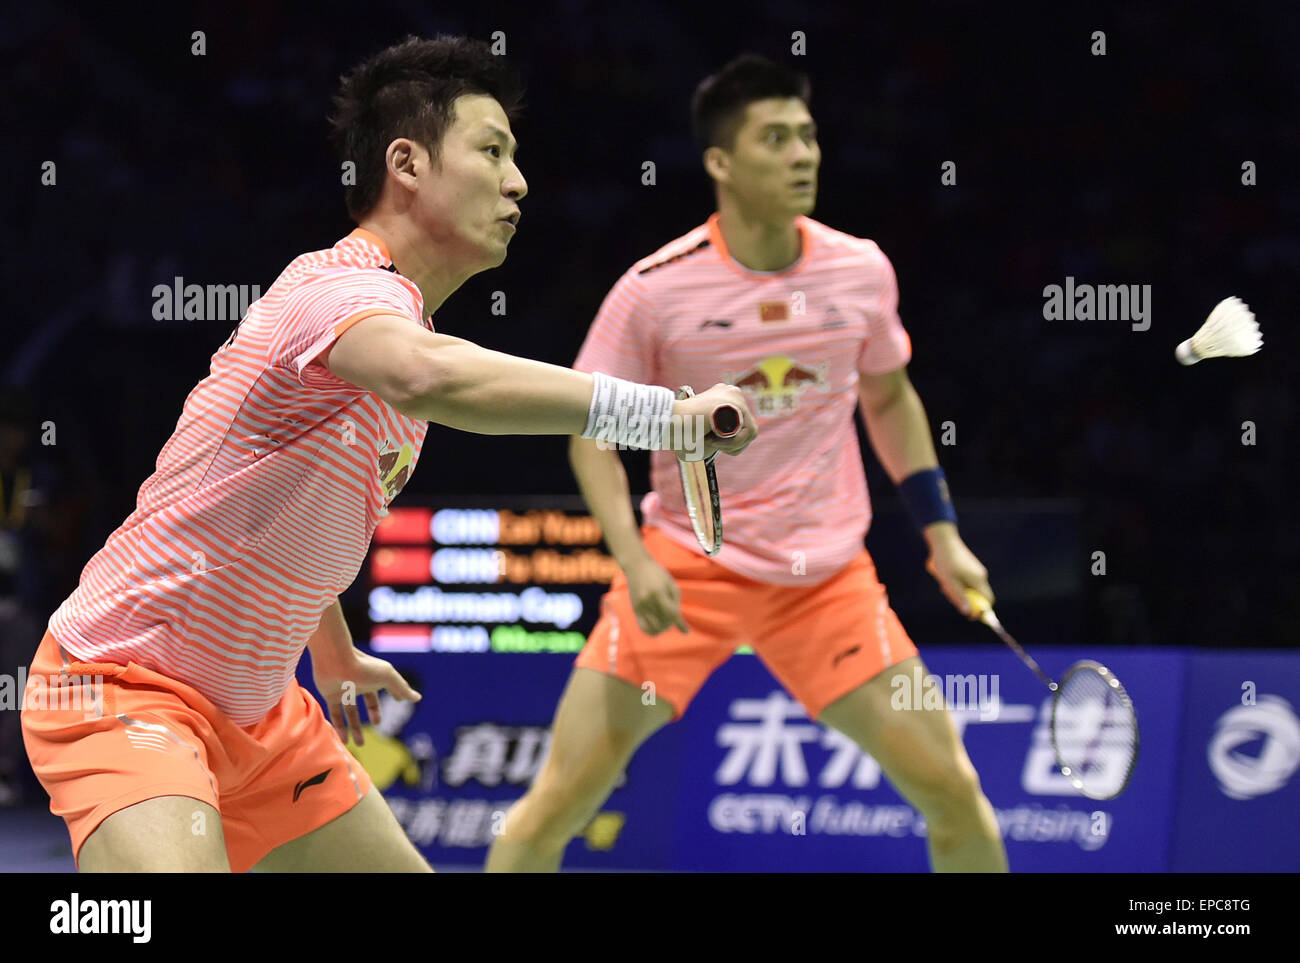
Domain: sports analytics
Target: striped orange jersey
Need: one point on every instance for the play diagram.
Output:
(795, 504)
(264, 499)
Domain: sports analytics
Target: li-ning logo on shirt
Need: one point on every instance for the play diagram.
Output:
(777, 382)
(832, 318)
(395, 466)
(713, 323)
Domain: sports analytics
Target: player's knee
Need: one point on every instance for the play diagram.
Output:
(574, 793)
(592, 765)
(537, 822)
(951, 800)
(561, 802)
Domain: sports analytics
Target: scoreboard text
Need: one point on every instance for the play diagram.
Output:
(464, 579)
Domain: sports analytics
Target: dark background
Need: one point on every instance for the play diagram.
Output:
(1116, 169)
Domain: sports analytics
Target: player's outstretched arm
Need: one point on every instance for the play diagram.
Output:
(457, 383)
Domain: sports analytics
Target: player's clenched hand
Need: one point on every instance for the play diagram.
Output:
(955, 567)
(655, 597)
(698, 413)
(359, 676)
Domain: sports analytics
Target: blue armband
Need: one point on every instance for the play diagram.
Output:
(925, 493)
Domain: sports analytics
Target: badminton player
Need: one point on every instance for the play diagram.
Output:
(202, 752)
(804, 318)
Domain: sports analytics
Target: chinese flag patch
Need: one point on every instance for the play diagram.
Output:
(773, 311)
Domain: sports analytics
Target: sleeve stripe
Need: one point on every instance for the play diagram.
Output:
(359, 316)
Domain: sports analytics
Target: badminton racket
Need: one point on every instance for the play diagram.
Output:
(700, 481)
(1094, 727)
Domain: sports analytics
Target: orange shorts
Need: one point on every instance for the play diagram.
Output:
(820, 641)
(147, 736)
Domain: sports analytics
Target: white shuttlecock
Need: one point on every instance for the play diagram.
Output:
(1229, 332)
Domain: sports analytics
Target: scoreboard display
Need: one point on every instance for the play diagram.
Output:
(461, 577)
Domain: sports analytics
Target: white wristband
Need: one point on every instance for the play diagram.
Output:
(628, 414)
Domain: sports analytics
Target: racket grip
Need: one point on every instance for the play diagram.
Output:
(726, 421)
(978, 603)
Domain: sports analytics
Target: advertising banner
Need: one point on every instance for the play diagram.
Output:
(1238, 805)
(746, 782)
(484, 610)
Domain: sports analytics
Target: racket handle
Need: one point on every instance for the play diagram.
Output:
(981, 609)
(979, 605)
(726, 421)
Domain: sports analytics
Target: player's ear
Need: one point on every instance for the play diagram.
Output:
(717, 162)
(401, 158)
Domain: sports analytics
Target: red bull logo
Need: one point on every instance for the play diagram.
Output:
(395, 465)
(777, 382)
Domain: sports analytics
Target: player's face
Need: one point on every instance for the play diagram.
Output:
(465, 201)
(772, 167)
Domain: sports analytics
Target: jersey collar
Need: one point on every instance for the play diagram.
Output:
(805, 249)
(364, 235)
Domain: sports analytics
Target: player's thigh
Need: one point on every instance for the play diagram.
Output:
(600, 723)
(365, 839)
(157, 836)
(917, 748)
(122, 757)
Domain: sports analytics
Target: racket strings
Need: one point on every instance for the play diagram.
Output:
(1094, 732)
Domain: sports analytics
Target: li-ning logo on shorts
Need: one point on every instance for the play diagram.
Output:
(777, 382)
(315, 780)
(395, 465)
(844, 655)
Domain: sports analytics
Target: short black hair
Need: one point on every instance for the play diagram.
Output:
(718, 106)
(408, 90)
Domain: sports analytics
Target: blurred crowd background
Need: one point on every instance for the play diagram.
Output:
(1117, 169)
